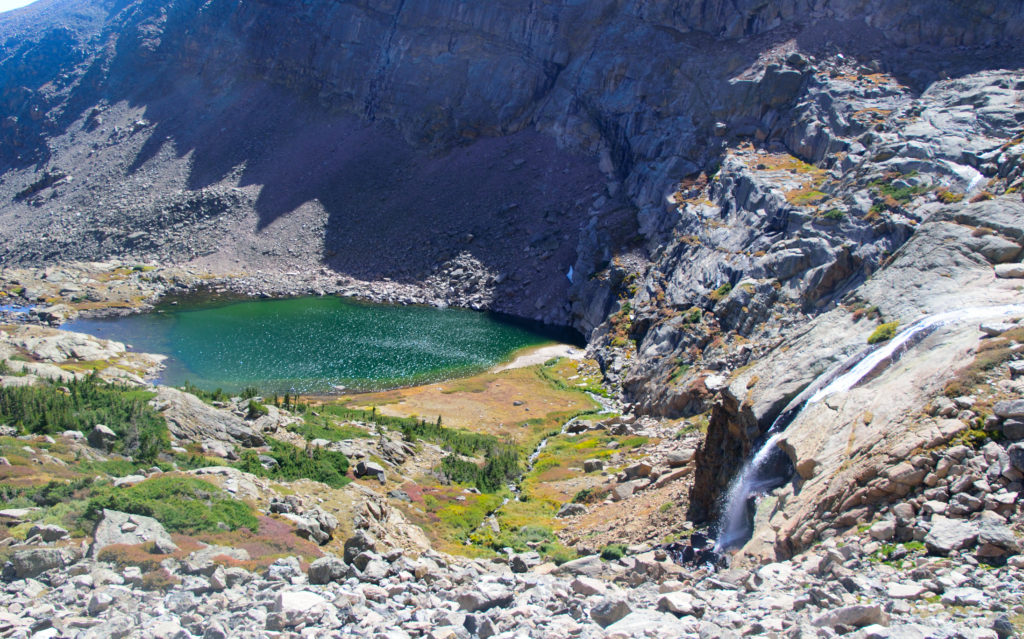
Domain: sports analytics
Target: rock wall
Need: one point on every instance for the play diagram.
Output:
(539, 137)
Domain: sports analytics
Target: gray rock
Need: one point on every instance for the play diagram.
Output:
(523, 562)
(1016, 455)
(681, 603)
(570, 509)
(609, 610)
(102, 438)
(1009, 271)
(1012, 409)
(1013, 429)
(98, 602)
(190, 419)
(327, 569)
(947, 535)
(592, 465)
(590, 566)
(997, 534)
(484, 597)
(883, 530)
(680, 458)
(364, 468)
(30, 563)
(122, 528)
(294, 608)
(637, 471)
(994, 329)
(857, 616)
(47, 532)
(284, 569)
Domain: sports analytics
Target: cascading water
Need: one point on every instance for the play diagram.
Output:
(770, 467)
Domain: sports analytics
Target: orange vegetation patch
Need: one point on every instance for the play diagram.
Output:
(517, 404)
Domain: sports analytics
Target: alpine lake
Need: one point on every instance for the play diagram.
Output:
(316, 345)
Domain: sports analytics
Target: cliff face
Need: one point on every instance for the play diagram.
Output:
(383, 138)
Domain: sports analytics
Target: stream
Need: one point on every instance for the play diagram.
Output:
(607, 406)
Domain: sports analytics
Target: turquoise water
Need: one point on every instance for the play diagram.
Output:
(314, 344)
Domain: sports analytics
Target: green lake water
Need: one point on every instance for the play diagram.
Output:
(314, 344)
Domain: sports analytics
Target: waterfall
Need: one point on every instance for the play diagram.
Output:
(770, 467)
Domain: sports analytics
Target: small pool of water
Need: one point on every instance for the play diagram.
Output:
(315, 344)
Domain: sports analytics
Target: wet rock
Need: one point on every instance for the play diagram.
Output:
(593, 465)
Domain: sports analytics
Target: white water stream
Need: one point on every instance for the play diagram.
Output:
(755, 478)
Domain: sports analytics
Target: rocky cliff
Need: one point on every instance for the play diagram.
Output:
(385, 138)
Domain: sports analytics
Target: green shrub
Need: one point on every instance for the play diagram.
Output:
(325, 466)
(834, 214)
(179, 503)
(883, 332)
(256, 410)
(500, 467)
(612, 552)
(80, 404)
(720, 292)
(322, 428)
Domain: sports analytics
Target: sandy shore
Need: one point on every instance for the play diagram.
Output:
(540, 355)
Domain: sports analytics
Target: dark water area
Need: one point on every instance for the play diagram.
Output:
(317, 344)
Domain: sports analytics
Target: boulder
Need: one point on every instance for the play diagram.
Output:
(1013, 429)
(883, 530)
(523, 562)
(123, 528)
(587, 586)
(640, 470)
(1011, 409)
(484, 596)
(327, 569)
(590, 566)
(856, 616)
(592, 465)
(997, 534)
(294, 608)
(680, 458)
(1009, 271)
(947, 535)
(102, 438)
(681, 603)
(30, 563)
(570, 510)
(994, 329)
(1015, 452)
(609, 610)
(47, 532)
(191, 419)
(364, 468)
